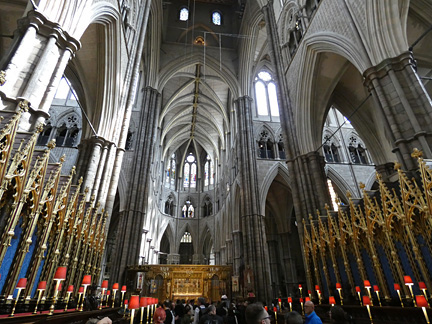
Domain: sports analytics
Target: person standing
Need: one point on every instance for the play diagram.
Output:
(310, 315)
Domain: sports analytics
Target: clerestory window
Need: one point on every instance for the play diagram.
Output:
(266, 95)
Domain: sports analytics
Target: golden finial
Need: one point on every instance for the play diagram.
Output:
(51, 144)
(80, 180)
(63, 158)
(348, 194)
(86, 190)
(2, 77)
(39, 128)
(397, 166)
(73, 170)
(23, 105)
(362, 185)
(326, 206)
(416, 153)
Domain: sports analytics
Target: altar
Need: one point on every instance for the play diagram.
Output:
(187, 282)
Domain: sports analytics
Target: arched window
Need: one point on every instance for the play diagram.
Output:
(186, 238)
(45, 135)
(265, 146)
(184, 14)
(129, 141)
(61, 135)
(357, 152)
(171, 170)
(266, 95)
(169, 206)
(188, 210)
(281, 149)
(331, 152)
(208, 207)
(190, 172)
(216, 18)
(208, 172)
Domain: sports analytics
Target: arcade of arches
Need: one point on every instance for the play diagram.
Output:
(202, 134)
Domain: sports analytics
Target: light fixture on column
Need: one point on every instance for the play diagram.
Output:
(368, 286)
(123, 290)
(104, 286)
(143, 304)
(275, 312)
(148, 251)
(145, 231)
(310, 294)
(422, 302)
(59, 276)
(367, 303)
(22, 283)
(80, 293)
(301, 303)
(69, 292)
(126, 303)
(398, 288)
(423, 288)
(332, 301)
(114, 288)
(108, 294)
(40, 288)
(339, 289)
(376, 289)
(300, 288)
(290, 303)
(358, 290)
(408, 282)
(86, 282)
(134, 303)
(317, 289)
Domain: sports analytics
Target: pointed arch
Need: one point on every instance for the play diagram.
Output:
(277, 169)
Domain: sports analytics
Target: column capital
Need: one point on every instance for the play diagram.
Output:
(48, 28)
(381, 70)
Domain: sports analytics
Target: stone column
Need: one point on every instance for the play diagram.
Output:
(254, 236)
(237, 251)
(405, 106)
(132, 220)
(34, 69)
(308, 181)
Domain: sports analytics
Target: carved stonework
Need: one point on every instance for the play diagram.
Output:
(183, 281)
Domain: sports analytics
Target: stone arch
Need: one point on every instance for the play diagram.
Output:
(314, 96)
(342, 187)
(276, 169)
(186, 227)
(169, 232)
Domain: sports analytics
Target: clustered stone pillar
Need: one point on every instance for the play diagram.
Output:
(308, 180)
(254, 236)
(405, 106)
(132, 219)
(35, 66)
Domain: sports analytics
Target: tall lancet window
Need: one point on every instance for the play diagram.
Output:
(184, 14)
(190, 172)
(171, 170)
(208, 172)
(266, 95)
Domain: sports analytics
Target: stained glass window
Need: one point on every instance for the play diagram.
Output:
(216, 18)
(184, 14)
